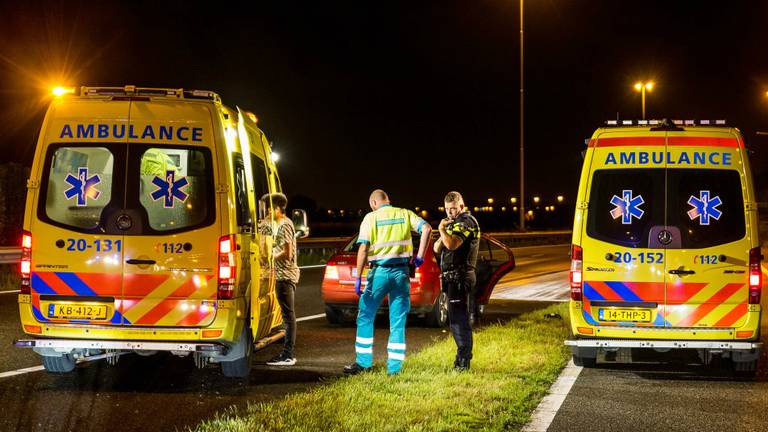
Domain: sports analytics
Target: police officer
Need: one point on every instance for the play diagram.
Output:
(385, 243)
(457, 248)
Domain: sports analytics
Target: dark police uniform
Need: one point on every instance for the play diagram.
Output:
(458, 275)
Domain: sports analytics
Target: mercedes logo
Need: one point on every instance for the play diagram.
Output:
(665, 237)
(124, 222)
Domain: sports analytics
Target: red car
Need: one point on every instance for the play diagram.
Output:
(427, 299)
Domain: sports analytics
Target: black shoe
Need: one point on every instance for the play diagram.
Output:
(355, 369)
(283, 359)
(461, 364)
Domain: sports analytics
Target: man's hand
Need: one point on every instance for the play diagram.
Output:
(418, 261)
(444, 223)
(358, 289)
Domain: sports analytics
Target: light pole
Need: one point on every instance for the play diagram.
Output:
(642, 87)
(522, 151)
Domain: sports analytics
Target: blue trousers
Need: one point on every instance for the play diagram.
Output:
(382, 281)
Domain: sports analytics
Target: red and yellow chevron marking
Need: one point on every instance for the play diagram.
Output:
(683, 304)
(711, 306)
(169, 300)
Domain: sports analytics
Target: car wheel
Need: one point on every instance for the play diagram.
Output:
(240, 368)
(438, 317)
(63, 364)
(332, 315)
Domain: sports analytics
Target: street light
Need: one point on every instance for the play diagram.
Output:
(560, 198)
(642, 87)
(522, 106)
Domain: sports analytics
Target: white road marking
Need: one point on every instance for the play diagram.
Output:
(550, 287)
(21, 371)
(544, 413)
(9, 292)
(311, 317)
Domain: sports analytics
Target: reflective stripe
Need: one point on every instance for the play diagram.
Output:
(362, 350)
(385, 222)
(365, 341)
(391, 243)
(397, 346)
(396, 356)
(391, 255)
(421, 224)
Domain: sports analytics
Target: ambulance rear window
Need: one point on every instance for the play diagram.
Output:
(707, 205)
(77, 185)
(610, 220)
(175, 187)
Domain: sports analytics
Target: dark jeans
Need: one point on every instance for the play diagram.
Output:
(285, 293)
(461, 298)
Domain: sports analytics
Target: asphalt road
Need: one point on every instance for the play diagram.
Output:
(164, 392)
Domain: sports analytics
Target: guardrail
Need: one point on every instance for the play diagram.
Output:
(10, 254)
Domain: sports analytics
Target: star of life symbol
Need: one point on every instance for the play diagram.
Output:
(627, 206)
(169, 189)
(82, 186)
(704, 207)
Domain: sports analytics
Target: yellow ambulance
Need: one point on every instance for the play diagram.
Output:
(142, 230)
(665, 250)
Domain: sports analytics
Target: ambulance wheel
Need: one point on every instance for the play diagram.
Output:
(438, 317)
(745, 369)
(63, 364)
(241, 367)
(587, 362)
(332, 315)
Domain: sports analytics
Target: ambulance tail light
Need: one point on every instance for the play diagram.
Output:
(26, 262)
(331, 271)
(575, 273)
(227, 267)
(755, 275)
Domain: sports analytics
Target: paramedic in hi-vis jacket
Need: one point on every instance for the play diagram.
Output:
(386, 245)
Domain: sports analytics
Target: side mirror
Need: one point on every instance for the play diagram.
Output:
(299, 218)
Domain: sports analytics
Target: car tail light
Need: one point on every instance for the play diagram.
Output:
(26, 262)
(755, 275)
(227, 267)
(331, 270)
(575, 274)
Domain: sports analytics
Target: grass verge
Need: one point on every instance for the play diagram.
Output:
(514, 366)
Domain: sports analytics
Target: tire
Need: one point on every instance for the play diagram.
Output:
(332, 315)
(241, 367)
(587, 362)
(745, 369)
(438, 317)
(63, 364)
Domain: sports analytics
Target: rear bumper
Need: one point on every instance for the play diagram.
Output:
(663, 344)
(344, 296)
(67, 345)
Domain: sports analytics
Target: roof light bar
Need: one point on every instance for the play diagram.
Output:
(689, 122)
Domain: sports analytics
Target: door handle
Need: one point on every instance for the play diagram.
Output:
(681, 272)
(134, 261)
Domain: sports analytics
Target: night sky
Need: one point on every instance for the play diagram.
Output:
(417, 98)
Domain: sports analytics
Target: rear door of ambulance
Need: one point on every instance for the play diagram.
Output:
(623, 266)
(77, 249)
(707, 260)
(172, 235)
